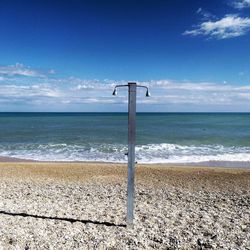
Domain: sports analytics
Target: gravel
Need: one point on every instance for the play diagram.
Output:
(175, 209)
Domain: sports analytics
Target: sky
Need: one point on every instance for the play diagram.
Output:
(68, 55)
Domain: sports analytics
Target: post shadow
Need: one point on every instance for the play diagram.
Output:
(71, 220)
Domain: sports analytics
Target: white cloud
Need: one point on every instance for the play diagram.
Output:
(167, 92)
(21, 70)
(83, 86)
(204, 14)
(229, 26)
(241, 4)
(20, 91)
(75, 94)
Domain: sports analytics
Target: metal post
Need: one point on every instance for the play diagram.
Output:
(131, 145)
(131, 150)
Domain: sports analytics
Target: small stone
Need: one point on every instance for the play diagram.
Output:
(173, 241)
(200, 243)
(214, 237)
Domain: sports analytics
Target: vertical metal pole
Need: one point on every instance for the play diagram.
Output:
(131, 150)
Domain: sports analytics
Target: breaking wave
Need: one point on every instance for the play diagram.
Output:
(150, 153)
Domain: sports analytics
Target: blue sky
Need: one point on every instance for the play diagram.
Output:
(67, 55)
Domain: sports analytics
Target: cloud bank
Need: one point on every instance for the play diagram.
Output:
(75, 94)
(20, 70)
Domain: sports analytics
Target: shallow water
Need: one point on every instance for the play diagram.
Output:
(161, 137)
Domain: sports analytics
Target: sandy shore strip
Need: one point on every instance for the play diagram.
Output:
(83, 206)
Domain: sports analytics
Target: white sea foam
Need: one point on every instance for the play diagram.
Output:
(150, 153)
(173, 153)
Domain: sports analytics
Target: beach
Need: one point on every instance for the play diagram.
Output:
(83, 206)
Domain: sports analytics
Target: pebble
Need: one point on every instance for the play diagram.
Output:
(91, 215)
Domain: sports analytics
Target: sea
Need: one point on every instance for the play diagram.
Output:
(214, 139)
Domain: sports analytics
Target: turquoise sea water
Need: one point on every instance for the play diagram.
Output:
(161, 137)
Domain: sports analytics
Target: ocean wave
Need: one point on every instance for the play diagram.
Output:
(150, 153)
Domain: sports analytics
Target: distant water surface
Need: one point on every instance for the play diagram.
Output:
(186, 138)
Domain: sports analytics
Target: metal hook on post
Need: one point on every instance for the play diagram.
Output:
(132, 86)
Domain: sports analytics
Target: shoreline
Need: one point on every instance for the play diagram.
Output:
(80, 170)
(210, 164)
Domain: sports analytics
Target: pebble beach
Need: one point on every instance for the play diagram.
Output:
(83, 206)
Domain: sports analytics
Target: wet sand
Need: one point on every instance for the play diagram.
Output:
(83, 206)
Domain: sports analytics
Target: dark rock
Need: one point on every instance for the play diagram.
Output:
(214, 237)
(173, 241)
